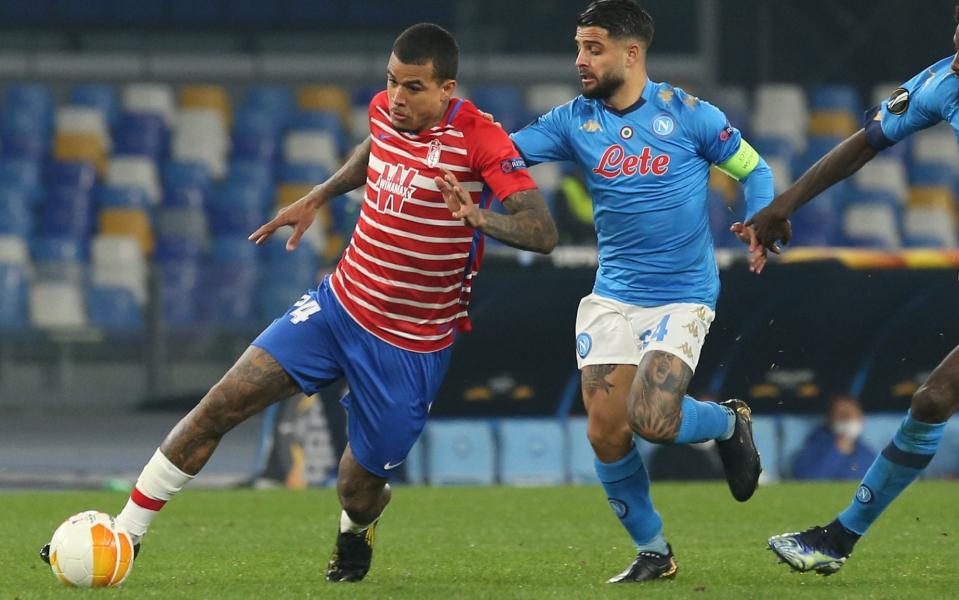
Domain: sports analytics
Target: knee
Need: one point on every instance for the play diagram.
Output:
(363, 503)
(656, 427)
(611, 440)
(934, 402)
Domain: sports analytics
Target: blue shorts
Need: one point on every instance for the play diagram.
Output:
(391, 389)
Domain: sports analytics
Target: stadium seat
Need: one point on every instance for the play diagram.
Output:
(57, 306)
(326, 97)
(83, 120)
(57, 258)
(67, 212)
(782, 173)
(141, 133)
(83, 147)
(135, 171)
(211, 97)
(23, 175)
(305, 174)
(31, 97)
(815, 148)
(932, 197)
(531, 452)
(833, 123)
(780, 109)
(118, 261)
(818, 224)
(312, 147)
(114, 309)
(102, 97)
(196, 147)
(203, 123)
(13, 297)
(936, 145)
(22, 138)
(178, 292)
(185, 197)
(581, 457)
(288, 193)
(884, 174)
(15, 215)
(935, 226)
(542, 97)
(460, 452)
(251, 172)
(131, 222)
(871, 224)
(275, 100)
(835, 98)
(774, 146)
(177, 248)
(182, 222)
(155, 98)
(185, 174)
(235, 210)
(13, 250)
(321, 120)
(255, 136)
(122, 196)
(929, 174)
(505, 102)
(77, 175)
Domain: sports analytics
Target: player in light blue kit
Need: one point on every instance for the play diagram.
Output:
(646, 149)
(929, 98)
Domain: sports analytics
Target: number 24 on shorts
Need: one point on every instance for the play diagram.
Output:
(658, 335)
(303, 308)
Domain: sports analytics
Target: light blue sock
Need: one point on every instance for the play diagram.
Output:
(900, 463)
(704, 421)
(627, 489)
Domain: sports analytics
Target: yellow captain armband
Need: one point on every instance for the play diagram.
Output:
(742, 163)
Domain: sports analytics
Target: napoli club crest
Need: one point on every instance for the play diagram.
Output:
(584, 343)
(663, 125)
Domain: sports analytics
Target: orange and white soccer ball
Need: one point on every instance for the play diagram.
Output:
(90, 550)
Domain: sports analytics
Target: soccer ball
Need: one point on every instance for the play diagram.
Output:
(90, 550)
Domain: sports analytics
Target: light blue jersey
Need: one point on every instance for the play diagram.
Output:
(647, 169)
(923, 101)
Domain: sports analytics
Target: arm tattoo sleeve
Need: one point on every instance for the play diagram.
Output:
(529, 226)
(352, 174)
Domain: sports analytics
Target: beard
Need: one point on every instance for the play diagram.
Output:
(604, 88)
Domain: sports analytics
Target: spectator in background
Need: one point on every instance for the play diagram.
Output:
(834, 450)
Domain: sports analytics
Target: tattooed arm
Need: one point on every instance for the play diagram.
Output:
(529, 226)
(301, 213)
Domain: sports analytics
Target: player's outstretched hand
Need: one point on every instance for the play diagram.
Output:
(772, 226)
(757, 252)
(458, 201)
(298, 215)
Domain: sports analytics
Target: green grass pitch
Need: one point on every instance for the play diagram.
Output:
(560, 542)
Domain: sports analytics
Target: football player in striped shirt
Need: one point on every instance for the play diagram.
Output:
(386, 318)
(929, 98)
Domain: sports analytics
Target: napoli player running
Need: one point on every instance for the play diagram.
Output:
(928, 98)
(386, 318)
(646, 149)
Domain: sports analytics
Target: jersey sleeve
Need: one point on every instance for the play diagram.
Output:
(907, 110)
(546, 139)
(497, 160)
(715, 139)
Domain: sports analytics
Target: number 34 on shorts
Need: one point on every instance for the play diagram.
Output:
(609, 332)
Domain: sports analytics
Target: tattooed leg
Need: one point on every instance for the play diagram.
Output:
(605, 389)
(253, 383)
(655, 400)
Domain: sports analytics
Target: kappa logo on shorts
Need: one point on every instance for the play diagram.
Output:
(864, 494)
(584, 343)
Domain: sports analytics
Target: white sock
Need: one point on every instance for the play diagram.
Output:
(348, 525)
(158, 482)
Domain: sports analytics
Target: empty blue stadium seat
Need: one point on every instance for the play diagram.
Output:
(504, 102)
(184, 197)
(103, 97)
(71, 174)
(114, 309)
(24, 134)
(256, 134)
(532, 451)
(178, 249)
(835, 98)
(460, 451)
(67, 212)
(141, 134)
(23, 175)
(307, 174)
(274, 99)
(322, 120)
(15, 214)
(273, 299)
(230, 249)
(58, 258)
(818, 223)
(816, 148)
(251, 172)
(185, 174)
(31, 97)
(13, 297)
(235, 210)
(178, 292)
(117, 196)
(933, 174)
